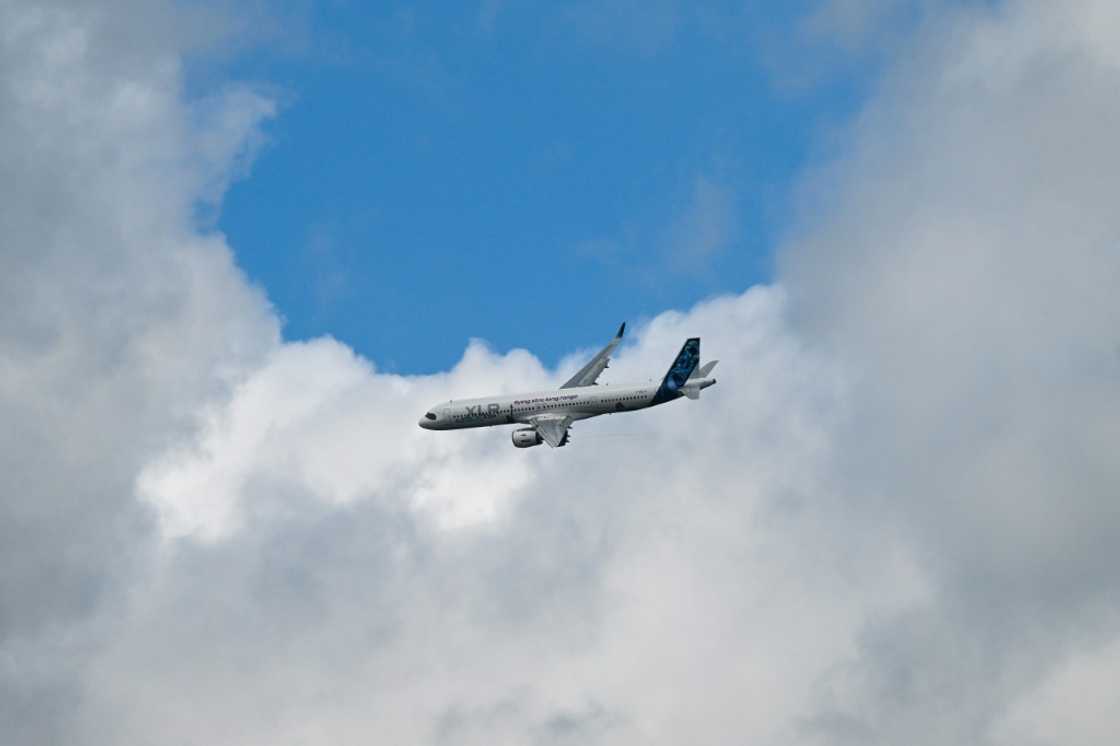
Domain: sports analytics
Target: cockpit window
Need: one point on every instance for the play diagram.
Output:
(430, 416)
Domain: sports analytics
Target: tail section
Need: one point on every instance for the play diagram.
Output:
(679, 371)
(699, 380)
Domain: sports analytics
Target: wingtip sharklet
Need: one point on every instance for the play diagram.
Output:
(588, 374)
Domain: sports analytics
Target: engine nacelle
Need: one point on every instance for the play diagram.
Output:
(526, 437)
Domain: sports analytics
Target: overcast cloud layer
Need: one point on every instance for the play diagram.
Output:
(894, 521)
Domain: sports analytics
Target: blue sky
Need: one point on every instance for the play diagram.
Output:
(524, 175)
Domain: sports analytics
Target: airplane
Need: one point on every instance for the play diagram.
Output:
(550, 414)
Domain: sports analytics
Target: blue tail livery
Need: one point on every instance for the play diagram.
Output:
(687, 360)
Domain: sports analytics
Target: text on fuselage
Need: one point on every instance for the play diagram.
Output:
(547, 399)
(483, 410)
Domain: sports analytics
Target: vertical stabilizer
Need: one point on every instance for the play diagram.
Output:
(679, 371)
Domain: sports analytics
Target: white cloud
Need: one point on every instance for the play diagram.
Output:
(384, 577)
(962, 259)
(890, 522)
(319, 419)
(119, 320)
(1077, 704)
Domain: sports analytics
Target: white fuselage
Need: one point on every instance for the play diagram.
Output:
(576, 403)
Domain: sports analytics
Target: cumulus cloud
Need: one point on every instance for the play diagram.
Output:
(962, 258)
(890, 522)
(119, 319)
(389, 580)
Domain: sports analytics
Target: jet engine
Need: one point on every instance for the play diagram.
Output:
(526, 437)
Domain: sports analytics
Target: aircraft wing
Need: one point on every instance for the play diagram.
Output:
(553, 428)
(589, 373)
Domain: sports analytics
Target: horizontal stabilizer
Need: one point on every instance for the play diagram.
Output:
(704, 370)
